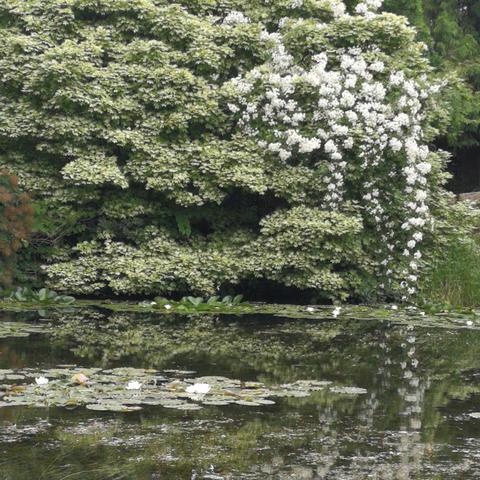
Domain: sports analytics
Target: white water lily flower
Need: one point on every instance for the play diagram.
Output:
(133, 385)
(336, 312)
(310, 309)
(167, 306)
(41, 380)
(200, 388)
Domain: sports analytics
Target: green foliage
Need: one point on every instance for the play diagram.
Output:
(43, 296)
(115, 116)
(452, 279)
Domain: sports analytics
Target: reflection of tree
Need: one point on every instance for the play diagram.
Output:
(386, 433)
(273, 350)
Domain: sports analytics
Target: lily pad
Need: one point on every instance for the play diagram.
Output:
(106, 390)
(111, 407)
(19, 329)
(349, 390)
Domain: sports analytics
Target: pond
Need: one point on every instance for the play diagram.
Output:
(306, 398)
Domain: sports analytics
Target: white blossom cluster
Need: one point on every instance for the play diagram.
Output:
(235, 18)
(359, 111)
(337, 7)
(368, 8)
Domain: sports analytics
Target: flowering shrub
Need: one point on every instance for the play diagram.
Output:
(16, 218)
(214, 142)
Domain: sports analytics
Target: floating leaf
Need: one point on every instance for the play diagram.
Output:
(349, 390)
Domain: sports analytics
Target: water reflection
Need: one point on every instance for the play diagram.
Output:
(412, 422)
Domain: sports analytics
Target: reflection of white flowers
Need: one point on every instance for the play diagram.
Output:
(133, 385)
(198, 388)
(41, 380)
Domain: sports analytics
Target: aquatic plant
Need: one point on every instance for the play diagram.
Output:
(21, 329)
(106, 391)
(199, 304)
(43, 296)
(202, 305)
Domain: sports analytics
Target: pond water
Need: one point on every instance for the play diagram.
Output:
(411, 415)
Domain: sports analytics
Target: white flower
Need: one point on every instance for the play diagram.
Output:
(336, 312)
(308, 145)
(199, 388)
(133, 385)
(377, 66)
(395, 144)
(233, 108)
(411, 244)
(361, 9)
(234, 18)
(394, 307)
(310, 309)
(420, 195)
(296, 3)
(338, 9)
(424, 168)
(418, 236)
(284, 154)
(41, 380)
(330, 147)
(167, 306)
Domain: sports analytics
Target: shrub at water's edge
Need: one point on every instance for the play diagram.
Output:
(16, 219)
(453, 275)
(203, 144)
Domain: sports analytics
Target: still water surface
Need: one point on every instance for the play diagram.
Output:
(414, 422)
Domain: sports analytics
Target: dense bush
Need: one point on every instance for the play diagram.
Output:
(203, 143)
(16, 218)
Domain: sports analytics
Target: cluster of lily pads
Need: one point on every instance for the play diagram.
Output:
(129, 389)
(20, 329)
(200, 304)
(43, 296)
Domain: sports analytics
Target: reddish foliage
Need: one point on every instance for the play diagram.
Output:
(16, 221)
